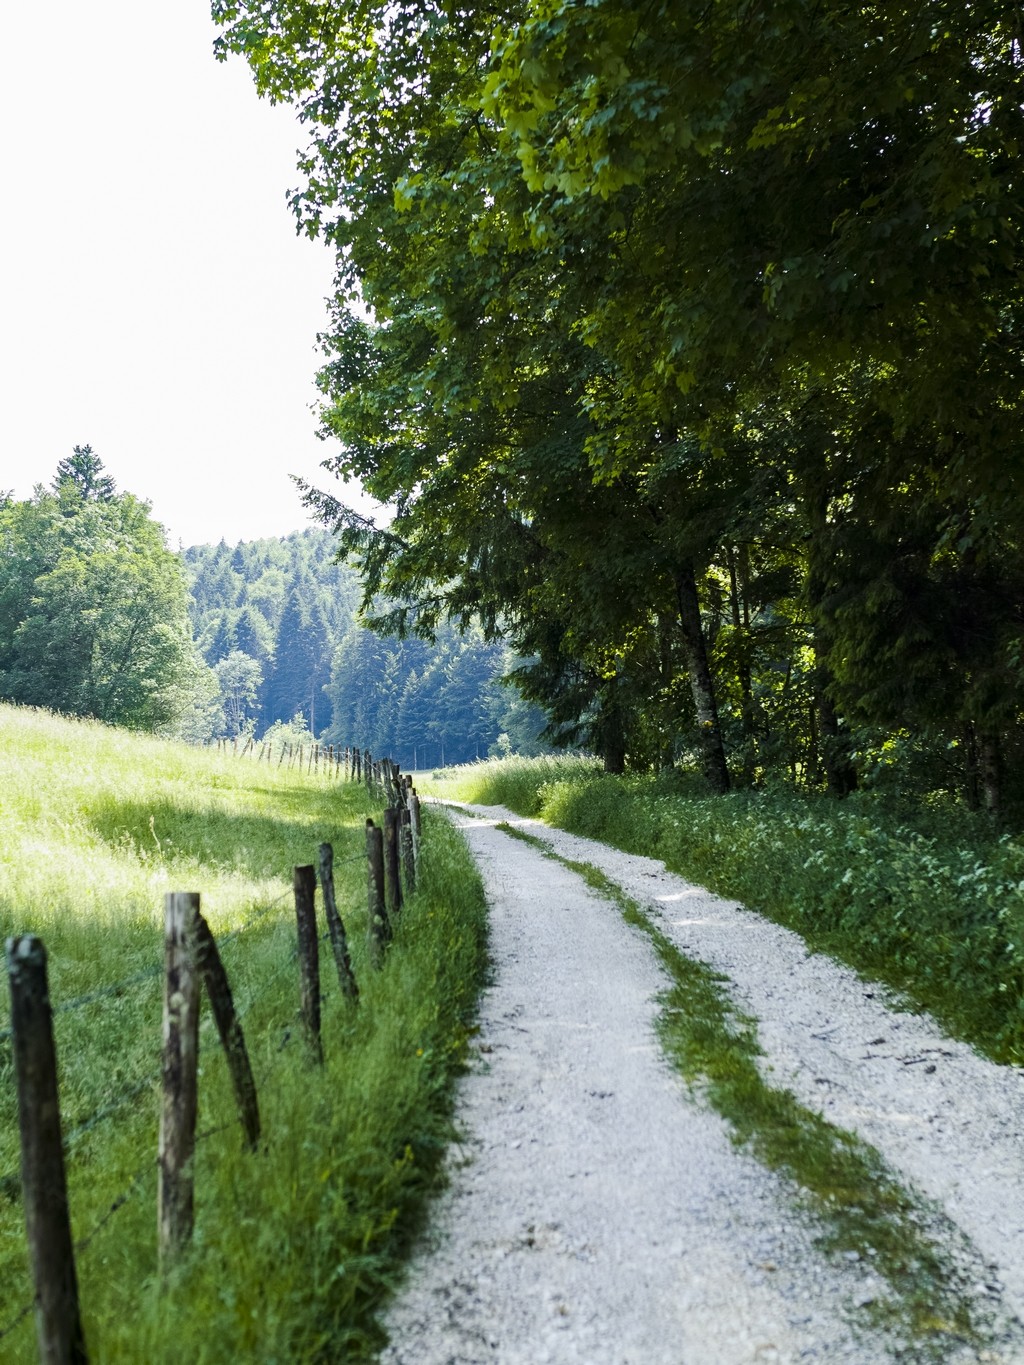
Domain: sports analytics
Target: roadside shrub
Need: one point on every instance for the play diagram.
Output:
(929, 899)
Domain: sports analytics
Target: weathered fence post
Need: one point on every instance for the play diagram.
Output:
(417, 828)
(44, 1190)
(335, 927)
(218, 992)
(379, 924)
(408, 854)
(304, 884)
(175, 1193)
(392, 820)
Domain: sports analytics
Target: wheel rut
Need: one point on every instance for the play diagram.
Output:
(598, 1212)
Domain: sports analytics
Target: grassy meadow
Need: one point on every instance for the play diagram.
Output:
(296, 1245)
(929, 898)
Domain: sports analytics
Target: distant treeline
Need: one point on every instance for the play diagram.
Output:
(99, 618)
(276, 620)
(94, 607)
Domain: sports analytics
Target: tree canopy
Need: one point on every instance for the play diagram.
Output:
(685, 343)
(93, 606)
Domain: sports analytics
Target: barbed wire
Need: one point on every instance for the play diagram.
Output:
(84, 1243)
(17, 1321)
(147, 973)
(242, 1010)
(109, 1110)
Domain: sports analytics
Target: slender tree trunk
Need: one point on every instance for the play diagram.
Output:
(613, 741)
(741, 625)
(840, 773)
(813, 751)
(701, 683)
(990, 771)
(972, 792)
(666, 627)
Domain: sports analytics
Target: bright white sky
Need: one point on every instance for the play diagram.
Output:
(155, 301)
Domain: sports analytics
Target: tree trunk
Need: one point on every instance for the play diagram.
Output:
(840, 773)
(716, 769)
(741, 625)
(610, 734)
(990, 771)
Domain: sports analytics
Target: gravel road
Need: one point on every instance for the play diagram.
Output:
(598, 1212)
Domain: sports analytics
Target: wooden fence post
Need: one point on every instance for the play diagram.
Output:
(44, 1190)
(408, 854)
(379, 924)
(417, 828)
(304, 884)
(218, 992)
(175, 1193)
(392, 819)
(335, 927)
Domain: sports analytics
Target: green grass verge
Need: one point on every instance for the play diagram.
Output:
(927, 899)
(297, 1245)
(843, 1181)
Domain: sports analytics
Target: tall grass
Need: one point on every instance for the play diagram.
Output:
(930, 900)
(295, 1246)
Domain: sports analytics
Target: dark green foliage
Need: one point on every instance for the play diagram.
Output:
(80, 478)
(693, 363)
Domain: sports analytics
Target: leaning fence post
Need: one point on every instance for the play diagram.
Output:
(335, 927)
(304, 884)
(380, 926)
(417, 829)
(218, 992)
(175, 1193)
(44, 1190)
(392, 818)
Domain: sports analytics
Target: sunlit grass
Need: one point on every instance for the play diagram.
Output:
(297, 1244)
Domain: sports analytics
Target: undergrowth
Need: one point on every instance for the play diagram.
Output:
(927, 899)
(297, 1245)
(860, 1206)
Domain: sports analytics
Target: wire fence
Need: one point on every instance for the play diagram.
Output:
(10, 1183)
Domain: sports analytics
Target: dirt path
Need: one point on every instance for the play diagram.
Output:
(599, 1214)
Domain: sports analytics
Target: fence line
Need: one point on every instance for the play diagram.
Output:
(194, 943)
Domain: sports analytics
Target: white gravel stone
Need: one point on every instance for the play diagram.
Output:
(598, 1214)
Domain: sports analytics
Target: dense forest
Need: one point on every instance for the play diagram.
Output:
(98, 618)
(276, 621)
(685, 344)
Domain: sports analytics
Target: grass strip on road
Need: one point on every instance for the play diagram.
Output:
(862, 1208)
(927, 897)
